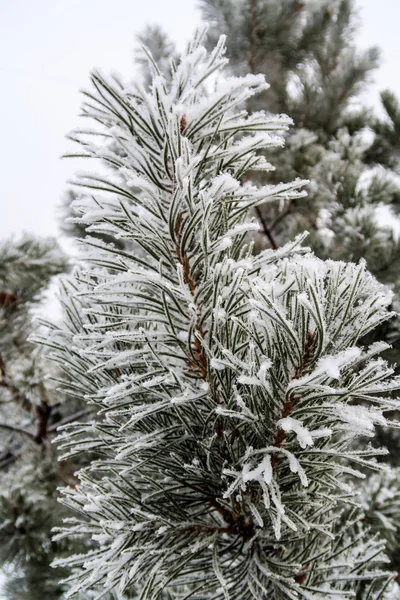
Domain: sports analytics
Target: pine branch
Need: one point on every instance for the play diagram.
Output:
(232, 391)
(69, 419)
(302, 369)
(267, 231)
(20, 430)
(281, 216)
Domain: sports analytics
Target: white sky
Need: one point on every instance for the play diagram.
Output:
(47, 48)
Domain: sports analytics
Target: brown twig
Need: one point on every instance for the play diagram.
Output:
(282, 216)
(288, 406)
(199, 364)
(16, 429)
(266, 229)
(43, 412)
(237, 522)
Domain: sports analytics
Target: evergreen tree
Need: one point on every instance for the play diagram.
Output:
(306, 51)
(232, 386)
(30, 409)
(385, 149)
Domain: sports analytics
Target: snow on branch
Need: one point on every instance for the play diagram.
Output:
(231, 388)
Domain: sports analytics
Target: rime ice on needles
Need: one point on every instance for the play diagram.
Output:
(225, 459)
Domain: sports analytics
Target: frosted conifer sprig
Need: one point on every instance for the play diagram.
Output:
(231, 386)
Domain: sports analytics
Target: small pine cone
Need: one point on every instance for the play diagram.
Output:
(8, 299)
(183, 123)
(301, 578)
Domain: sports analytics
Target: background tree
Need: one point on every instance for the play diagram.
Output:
(31, 407)
(307, 52)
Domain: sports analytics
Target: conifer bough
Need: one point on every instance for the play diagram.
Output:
(232, 386)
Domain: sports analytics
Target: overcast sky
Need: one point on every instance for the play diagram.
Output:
(47, 48)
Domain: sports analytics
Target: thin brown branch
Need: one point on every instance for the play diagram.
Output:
(266, 229)
(282, 216)
(302, 369)
(43, 412)
(198, 364)
(2, 367)
(20, 430)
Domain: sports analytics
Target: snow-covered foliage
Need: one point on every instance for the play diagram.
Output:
(380, 501)
(231, 386)
(29, 408)
(319, 77)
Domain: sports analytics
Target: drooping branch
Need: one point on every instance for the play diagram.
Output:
(20, 430)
